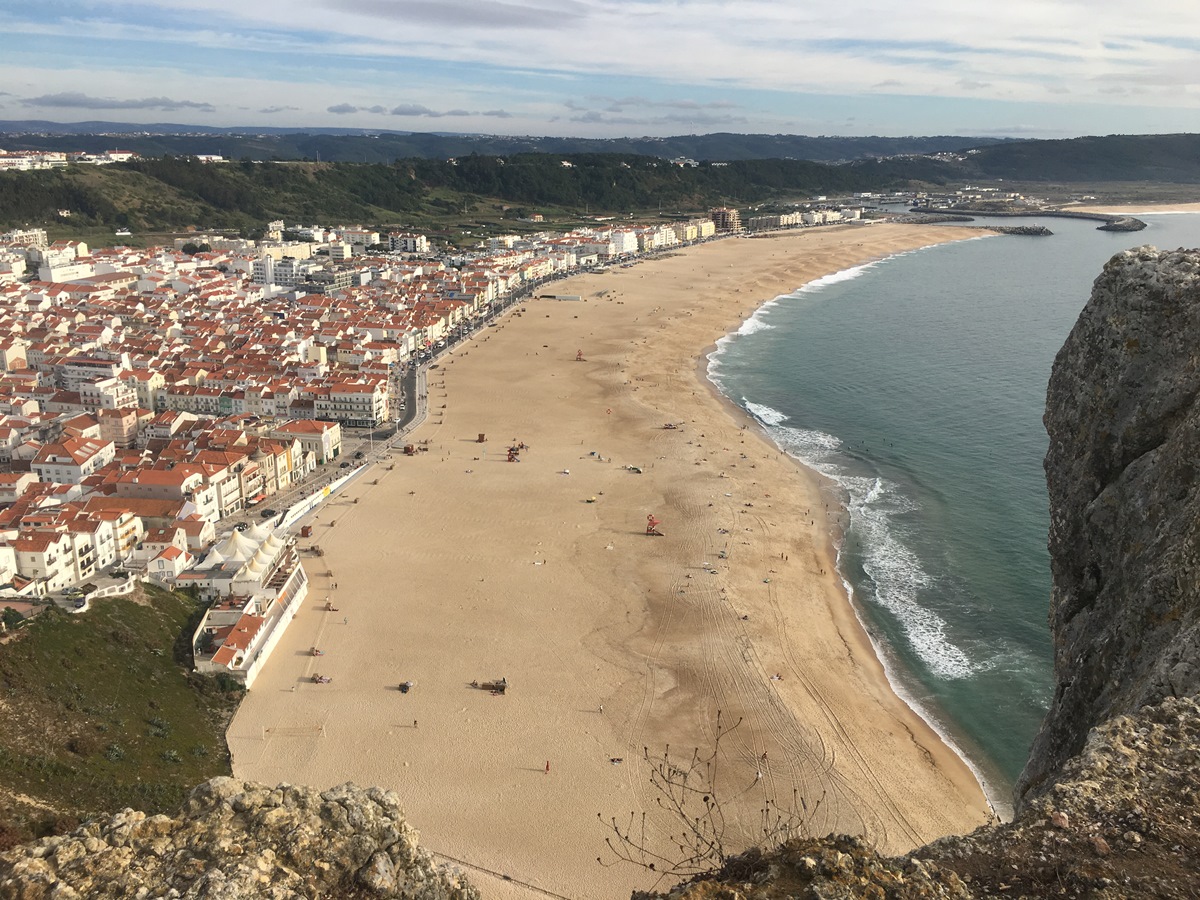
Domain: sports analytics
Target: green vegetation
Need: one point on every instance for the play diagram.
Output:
(387, 147)
(1173, 158)
(475, 194)
(170, 193)
(101, 711)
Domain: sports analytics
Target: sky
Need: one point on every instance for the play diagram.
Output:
(612, 68)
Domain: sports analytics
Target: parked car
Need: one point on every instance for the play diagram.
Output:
(344, 465)
(267, 513)
(359, 455)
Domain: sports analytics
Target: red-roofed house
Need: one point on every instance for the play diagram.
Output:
(322, 439)
(72, 460)
(13, 485)
(168, 564)
(47, 558)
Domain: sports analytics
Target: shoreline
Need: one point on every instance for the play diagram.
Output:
(1133, 209)
(458, 565)
(1000, 804)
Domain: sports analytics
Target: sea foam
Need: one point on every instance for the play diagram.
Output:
(756, 322)
(872, 504)
(895, 571)
(837, 277)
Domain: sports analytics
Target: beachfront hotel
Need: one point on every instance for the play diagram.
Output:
(256, 583)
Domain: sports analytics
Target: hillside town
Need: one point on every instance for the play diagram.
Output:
(153, 402)
(35, 160)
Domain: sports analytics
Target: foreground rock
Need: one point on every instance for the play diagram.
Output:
(1121, 821)
(239, 840)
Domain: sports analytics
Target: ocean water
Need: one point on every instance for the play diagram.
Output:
(917, 383)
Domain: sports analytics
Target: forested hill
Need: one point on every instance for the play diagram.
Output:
(354, 145)
(171, 192)
(1171, 158)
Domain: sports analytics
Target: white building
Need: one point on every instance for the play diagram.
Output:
(256, 582)
(407, 242)
(72, 460)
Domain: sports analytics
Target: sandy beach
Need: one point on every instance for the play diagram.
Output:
(455, 566)
(1132, 209)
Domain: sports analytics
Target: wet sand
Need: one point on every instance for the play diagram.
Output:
(458, 566)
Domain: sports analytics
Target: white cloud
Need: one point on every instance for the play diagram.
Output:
(717, 61)
(78, 100)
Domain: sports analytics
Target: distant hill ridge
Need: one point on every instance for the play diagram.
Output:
(438, 182)
(362, 145)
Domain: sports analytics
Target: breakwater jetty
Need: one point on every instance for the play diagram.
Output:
(939, 218)
(1110, 222)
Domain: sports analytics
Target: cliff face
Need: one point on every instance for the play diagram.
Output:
(1124, 426)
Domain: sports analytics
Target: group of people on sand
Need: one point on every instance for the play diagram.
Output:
(317, 651)
(514, 450)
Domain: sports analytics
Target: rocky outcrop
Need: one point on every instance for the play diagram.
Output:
(822, 869)
(1122, 223)
(235, 840)
(1124, 426)
(1023, 230)
(1120, 821)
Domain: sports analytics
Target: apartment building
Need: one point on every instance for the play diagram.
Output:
(322, 439)
(120, 426)
(726, 219)
(72, 460)
(407, 242)
(108, 394)
(45, 557)
(177, 483)
(355, 405)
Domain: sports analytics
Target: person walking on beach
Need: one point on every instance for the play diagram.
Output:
(547, 767)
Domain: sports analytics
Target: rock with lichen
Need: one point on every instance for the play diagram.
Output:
(234, 840)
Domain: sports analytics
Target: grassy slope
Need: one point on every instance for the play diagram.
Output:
(99, 711)
(160, 195)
